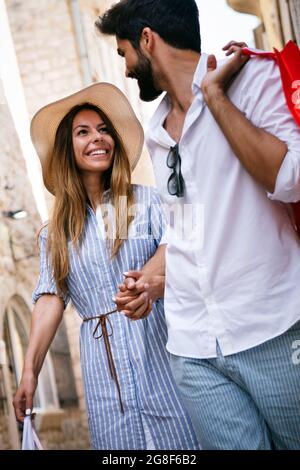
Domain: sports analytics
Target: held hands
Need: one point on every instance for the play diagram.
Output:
(23, 399)
(133, 298)
(137, 294)
(217, 81)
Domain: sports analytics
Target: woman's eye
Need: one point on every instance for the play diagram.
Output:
(82, 132)
(104, 130)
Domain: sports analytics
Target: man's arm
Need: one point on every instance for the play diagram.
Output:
(142, 288)
(260, 152)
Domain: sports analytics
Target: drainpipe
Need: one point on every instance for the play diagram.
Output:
(79, 33)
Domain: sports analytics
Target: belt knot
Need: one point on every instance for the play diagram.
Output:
(102, 319)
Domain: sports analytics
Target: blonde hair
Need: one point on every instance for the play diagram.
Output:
(69, 210)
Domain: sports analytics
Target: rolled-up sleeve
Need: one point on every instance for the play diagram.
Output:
(157, 218)
(268, 110)
(287, 187)
(46, 282)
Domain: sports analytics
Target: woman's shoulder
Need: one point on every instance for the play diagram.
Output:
(43, 231)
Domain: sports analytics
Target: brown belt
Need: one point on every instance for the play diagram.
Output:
(102, 322)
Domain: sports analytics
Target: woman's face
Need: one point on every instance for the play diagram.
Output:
(93, 145)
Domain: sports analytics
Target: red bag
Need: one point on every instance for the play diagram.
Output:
(288, 61)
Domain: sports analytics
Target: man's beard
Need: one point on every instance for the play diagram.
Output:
(143, 73)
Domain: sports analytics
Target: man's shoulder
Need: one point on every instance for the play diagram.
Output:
(259, 69)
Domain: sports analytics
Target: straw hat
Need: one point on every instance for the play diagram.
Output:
(110, 100)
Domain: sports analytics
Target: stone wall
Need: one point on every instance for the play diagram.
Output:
(4, 437)
(18, 254)
(46, 50)
(66, 432)
(18, 258)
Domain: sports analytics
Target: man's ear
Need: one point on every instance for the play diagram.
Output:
(147, 39)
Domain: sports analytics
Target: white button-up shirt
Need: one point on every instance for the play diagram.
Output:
(235, 278)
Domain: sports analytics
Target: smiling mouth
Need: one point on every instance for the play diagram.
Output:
(97, 153)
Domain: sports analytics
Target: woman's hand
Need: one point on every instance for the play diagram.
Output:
(138, 293)
(141, 289)
(23, 399)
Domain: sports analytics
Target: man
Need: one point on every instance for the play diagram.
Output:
(221, 140)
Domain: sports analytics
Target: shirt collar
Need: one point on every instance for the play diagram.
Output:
(156, 133)
(199, 74)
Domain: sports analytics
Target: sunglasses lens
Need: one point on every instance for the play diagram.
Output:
(172, 185)
(172, 159)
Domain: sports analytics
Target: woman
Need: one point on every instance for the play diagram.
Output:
(101, 226)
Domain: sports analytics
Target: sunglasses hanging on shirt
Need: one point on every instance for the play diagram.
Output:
(175, 181)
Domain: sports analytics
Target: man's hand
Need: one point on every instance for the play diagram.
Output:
(142, 288)
(217, 81)
(132, 297)
(233, 46)
(137, 294)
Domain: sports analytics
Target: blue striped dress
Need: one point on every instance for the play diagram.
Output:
(152, 409)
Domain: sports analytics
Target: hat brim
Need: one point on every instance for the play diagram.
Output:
(105, 96)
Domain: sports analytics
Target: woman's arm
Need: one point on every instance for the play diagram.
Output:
(46, 317)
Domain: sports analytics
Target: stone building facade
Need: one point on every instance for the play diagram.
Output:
(280, 21)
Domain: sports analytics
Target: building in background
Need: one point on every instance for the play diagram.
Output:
(49, 49)
(280, 21)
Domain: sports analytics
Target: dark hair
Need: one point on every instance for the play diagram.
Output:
(176, 22)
